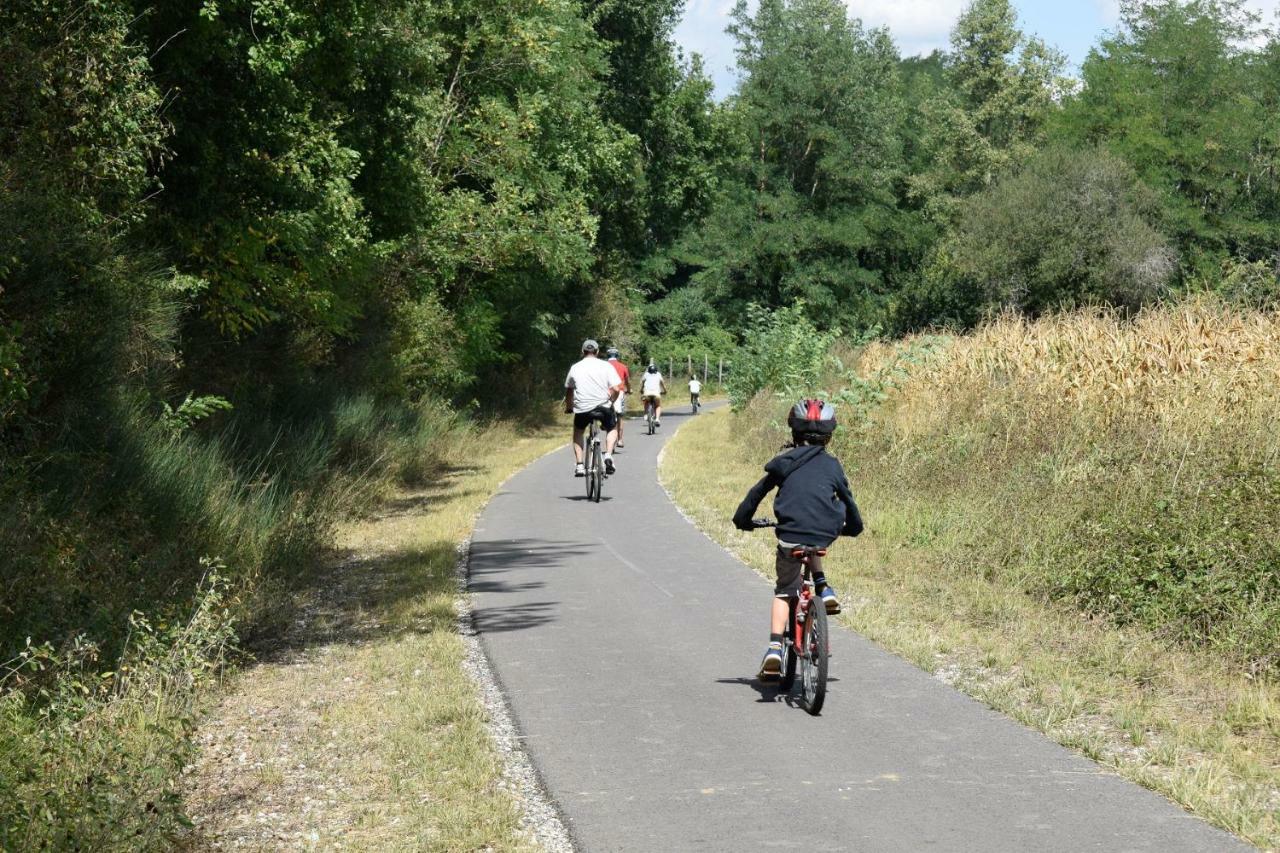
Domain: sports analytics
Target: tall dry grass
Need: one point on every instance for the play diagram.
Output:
(1128, 465)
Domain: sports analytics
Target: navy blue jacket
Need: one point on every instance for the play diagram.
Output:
(814, 504)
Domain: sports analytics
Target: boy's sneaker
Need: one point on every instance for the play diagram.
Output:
(579, 470)
(771, 666)
(608, 465)
(830, 600)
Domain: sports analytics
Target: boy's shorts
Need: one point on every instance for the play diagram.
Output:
(790, 572)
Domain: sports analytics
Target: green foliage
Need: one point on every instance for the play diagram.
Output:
(191, 410)
(1071, 227)
(1003, 88)
(1195, 564)
(806, 209)
(1176, 94)
(92, 759)
(1250, 284)
(782, 350)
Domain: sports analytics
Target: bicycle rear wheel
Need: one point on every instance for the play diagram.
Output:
(587, 444)
(813, 658)
(597, 467)
(649, 418)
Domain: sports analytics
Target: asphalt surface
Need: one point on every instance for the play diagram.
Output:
(626, 643)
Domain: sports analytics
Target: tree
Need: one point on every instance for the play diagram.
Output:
(1071, 227)
(1180, 96)
(807, 209)
(1002, 89)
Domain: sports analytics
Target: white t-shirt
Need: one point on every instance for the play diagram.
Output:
(652, 386)
(591, 380)
(695, 387)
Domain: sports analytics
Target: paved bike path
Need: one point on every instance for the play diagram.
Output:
(626, 642)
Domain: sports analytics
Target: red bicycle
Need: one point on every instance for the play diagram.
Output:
(807, 644)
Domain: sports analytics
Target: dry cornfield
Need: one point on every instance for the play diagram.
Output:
(1194, 370)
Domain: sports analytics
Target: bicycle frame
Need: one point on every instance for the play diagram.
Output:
(800, 606)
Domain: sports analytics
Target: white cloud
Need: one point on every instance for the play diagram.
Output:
(918, 26)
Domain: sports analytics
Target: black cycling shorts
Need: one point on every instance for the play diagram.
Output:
(607, 417)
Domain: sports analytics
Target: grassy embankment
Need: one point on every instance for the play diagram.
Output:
(1074, 521)
(143, 563)
(364, 731)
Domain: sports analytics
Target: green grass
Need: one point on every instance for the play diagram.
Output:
(1195, 725)
(105, 556)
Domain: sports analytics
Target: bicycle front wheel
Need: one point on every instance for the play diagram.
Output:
(813, 658)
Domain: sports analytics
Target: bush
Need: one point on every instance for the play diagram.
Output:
(90, 760)
(1072, 227)
(781, 350)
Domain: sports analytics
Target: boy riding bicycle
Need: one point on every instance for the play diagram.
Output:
(813, 506)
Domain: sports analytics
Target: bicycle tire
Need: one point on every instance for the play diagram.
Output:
(597, 464)
(649, 419)
(788, 678)
(813, 662)
(586, 460)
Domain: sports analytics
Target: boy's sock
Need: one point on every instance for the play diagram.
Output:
(819, 581)
(775, 638)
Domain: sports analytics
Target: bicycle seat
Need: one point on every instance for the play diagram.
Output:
(804, 552)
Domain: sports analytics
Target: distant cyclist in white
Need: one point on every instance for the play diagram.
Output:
(695, 389)
(589, 391)
(651, 389)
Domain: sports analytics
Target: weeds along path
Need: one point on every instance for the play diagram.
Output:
(627, 641)
(360, 729)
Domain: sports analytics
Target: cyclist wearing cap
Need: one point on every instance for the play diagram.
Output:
(620, 404)
(652, 387)
(814, 505)
(589, 391)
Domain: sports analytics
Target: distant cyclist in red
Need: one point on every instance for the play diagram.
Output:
(624, 373)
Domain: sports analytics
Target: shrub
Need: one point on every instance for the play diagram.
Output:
(1072, 227)
(781, 350)
(89, 759)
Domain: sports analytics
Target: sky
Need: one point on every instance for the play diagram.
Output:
(919, 26)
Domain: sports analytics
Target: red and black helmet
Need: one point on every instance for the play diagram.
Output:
(812, 416)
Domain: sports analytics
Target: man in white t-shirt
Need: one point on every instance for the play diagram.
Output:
(589, 391)
(652, 387)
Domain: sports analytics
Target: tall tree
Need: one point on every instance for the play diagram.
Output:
(1181, 95)
(807, 211)
(1003, 87)
(665, 103)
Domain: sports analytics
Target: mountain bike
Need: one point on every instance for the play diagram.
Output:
(650, 416)
(593, 460)
(693, 401)
(807, 644)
